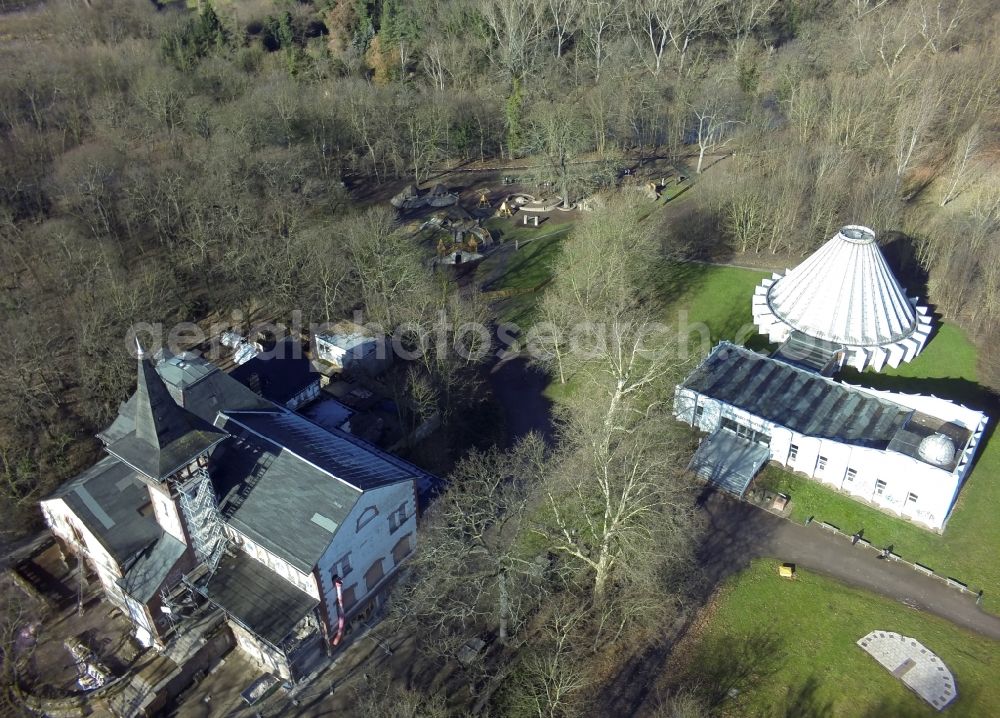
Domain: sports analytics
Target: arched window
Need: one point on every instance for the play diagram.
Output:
(367, 515)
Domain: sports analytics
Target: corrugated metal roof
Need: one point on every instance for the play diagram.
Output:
(798, 399)
(728, 461)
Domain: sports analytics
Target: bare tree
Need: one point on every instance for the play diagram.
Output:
(552, 674)
(598, 22)
(914, 118)
(565, 16)
(516, 29)
(471, 573)
(714, 119)
(939, 21)
(962, 162)
(558, 131)
(656, 25)
(743, 17)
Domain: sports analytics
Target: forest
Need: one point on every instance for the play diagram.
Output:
(164, 163)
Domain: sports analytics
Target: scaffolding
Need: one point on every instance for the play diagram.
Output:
(201, 515)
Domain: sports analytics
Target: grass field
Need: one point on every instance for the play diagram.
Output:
(526, 268)
(789, 648)
(716, 299)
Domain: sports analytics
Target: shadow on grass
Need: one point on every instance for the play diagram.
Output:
(675, 279)
(803, 701)
(909, 707)
(731, 532)
(729, 665)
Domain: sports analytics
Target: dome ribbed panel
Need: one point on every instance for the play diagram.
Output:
(844, 292)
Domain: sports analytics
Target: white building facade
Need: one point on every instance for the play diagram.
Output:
(906, 454)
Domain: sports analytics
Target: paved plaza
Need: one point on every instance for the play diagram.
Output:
(908, 660)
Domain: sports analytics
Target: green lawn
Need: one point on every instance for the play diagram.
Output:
(708, 301)
(527, 268)
(788, 647)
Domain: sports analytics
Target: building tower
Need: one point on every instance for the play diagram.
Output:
(169, 447)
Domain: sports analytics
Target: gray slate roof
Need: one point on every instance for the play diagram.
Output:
(152, 568)
(350, 459)
(164, 436)
(289, 484)
(258, 598)
(279, 499)
(108, 498)
(800, 400)
(279, 374)
(197, 385)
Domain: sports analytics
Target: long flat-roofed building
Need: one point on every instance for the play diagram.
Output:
(907, 454)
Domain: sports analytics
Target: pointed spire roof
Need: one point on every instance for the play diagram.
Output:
(164, 436)
(845, 293)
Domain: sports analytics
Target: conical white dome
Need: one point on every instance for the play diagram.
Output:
(844, 293)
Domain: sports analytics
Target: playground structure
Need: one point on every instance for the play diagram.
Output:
(522, 202)
(484, 198)
(468, 238)
(410, 197)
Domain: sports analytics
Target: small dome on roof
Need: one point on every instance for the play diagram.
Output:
(857, 234)
(937, 449)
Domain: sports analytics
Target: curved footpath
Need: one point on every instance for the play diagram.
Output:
(740, 532)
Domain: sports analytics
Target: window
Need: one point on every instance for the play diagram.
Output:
(821, 464)
(374, 574)
(348, 597)
(401, 550)
(397, 518)
(793, 452)
(699, 411)
(366, 516)
(879, 487)
(852, 474)
(911, 498)
(342, 567)
(745, 432)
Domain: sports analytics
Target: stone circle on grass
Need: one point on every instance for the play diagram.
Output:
(917, 667)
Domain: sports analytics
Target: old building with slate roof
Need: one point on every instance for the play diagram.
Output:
(214, 493)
